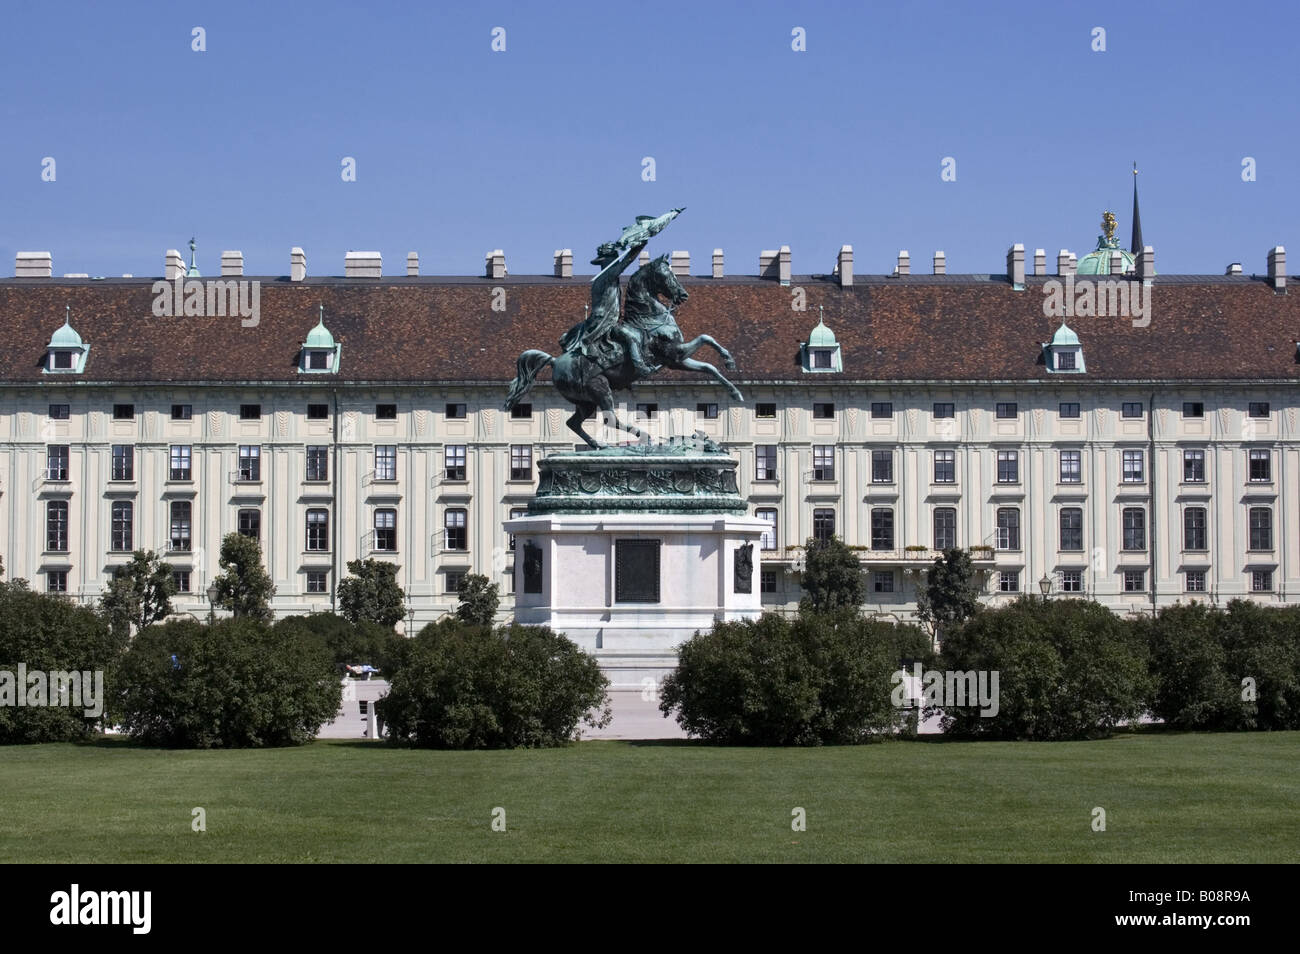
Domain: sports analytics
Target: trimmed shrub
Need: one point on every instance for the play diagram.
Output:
(346, 643)
(1067, 669)
(819, 679)
(235, 684)
(474, 687)
(50, 634)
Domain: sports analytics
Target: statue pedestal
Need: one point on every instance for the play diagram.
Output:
(629, 554)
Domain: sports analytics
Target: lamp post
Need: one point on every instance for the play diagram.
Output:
(1045, 586)
(212, 603)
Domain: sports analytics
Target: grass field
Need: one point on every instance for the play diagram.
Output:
(1168, 798)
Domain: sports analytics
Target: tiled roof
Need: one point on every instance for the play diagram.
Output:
(410, 330)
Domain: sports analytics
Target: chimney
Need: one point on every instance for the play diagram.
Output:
(680, 263)
(232, 263)
(412, 264)
(363, 265)
(1277, 267)
(564, 263)
(1016, 266)
(1146, 263)
(1040, 261)
(717, 263)
(767, 267)
(783, 264)
(844, 265)
(904, 266)
(495, 264)
(1233, 269)
(173, 265)
(1074, 264)
(33, 265)
(1064, 263)
(643, 258)
(1116, 263)
(76, 274)
(940, 263)
(297, 264)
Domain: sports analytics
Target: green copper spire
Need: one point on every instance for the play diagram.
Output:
(193, 272)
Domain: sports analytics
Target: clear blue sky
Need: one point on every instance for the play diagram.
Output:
(460, 150)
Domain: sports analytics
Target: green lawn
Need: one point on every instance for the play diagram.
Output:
(1168, 798)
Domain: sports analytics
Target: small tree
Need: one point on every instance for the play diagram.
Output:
(478, 600)
(371, 593)
(949, 594)
(245, 588)
(832, 578)
(140, 592)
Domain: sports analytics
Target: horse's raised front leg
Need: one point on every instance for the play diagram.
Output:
(694, 345)
(690, 364)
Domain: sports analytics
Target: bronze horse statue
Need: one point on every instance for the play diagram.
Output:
(590, 382)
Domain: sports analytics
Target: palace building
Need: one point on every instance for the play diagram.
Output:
(1100, 430)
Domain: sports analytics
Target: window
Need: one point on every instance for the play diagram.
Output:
(1006, 410)
(1135, 581)
(318, 530)
(182, 412)
(768, 540)
(882, 467)
(1194, 466)
(767, 581)
(1261, 470)
(1071, 528)
(1009, 581)
(124, 412)
(62, 360)
(249, 523)
(823, 524)
(1065, 361)
(56, 581)
(1071, 581)
(944, 410)
(123, 462)
(1194, 581)
(1008, 467)
(1261, 581)
(823, 462)
(521, 462)
(1194, 537)
(765, 410)
(318, 462)
(179, 468)
(823, 411)
(181, 580)
(59, 412)
(385, 462)
(765, 462)
(1071, 466)
(945, 467)
(56, 526)
(1067, 410)
(1134, 466)
(524, 411)
(250, 412)
(453, 522)
(316, 581)
(707, 411)
(1258, 409)
(250, 462)
(318, 359)
(456, 412)
(515, 512)
(318, 412)
(1261, 528)
(1193, 409)
(1008, 528)
(648, 411)
(181, 512)
(882, 581)
(945, 528)
(454, 580)
(386, 529)
(1134, 520)
(1131, 409)
(385, 412)
(823, 358)
(453, 457)
(56, 462)
(881, 409)
(121, 535)
(882, 528)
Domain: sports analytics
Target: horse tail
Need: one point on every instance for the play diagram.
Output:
(526, 371)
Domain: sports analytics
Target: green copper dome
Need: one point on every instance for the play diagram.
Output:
(1098, 262)
(319, 337)
(65, 337)
(822, 337)
(1064, 337)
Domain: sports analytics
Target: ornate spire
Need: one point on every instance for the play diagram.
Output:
(193, 272)
(1135, 245)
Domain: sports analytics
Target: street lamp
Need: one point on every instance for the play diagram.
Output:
(1045, 586)
(212, 603)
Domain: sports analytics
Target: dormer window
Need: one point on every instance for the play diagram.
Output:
(318, 360)
(1065, 361)
(821, 352)
(1064, 354)
(66, 352)
(62, 360)
(320, 353)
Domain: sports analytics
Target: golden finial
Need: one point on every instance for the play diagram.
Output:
(1108, 225)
